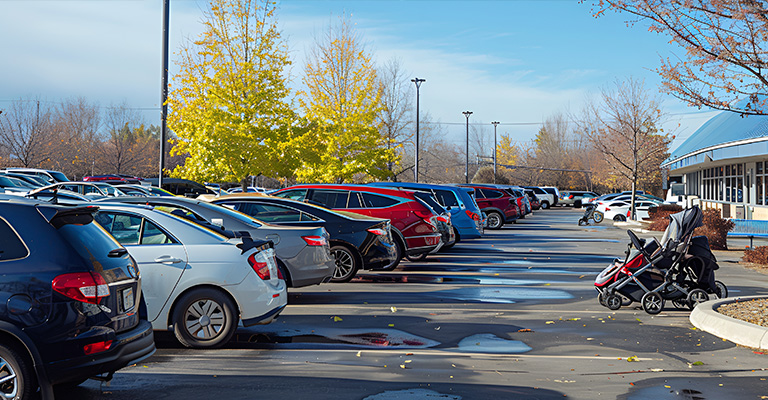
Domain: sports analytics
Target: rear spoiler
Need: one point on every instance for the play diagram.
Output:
(49, 213)
(248, 243)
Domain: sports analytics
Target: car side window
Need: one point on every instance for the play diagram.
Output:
(151, 234)
(124, 228)
(296, 194)
(479, 194)
(330, 198)
(270, 213)
(11, 245)
(492, 194)
(354, 200)
(446, 198)
(180, 212)
(377, 201)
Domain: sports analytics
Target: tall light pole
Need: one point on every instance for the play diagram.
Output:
(466, 169)
(495, 149)
(164, 93)
(418, 82)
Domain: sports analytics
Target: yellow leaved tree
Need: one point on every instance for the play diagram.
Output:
(342, 100)
(230, 103)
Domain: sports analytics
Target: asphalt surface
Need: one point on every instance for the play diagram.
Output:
(513, 315)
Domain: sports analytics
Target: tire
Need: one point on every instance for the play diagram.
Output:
(192, 322)
(495, 220)
(400, 250)
(598, 216)
(601, 299)
(721, 291)
(417, 257)
(346, 264)
(582, 222)
(697, 296)
(23, 385)
(613, 302)
(544, 205)
(652, 303)
(619, 218)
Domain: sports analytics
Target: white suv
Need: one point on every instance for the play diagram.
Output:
(547, 199)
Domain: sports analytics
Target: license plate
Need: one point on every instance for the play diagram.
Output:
(127, 296)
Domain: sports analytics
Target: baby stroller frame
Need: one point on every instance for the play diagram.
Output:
(590, 212)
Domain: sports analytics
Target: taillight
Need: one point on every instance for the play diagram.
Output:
(425, 215)
(88, 287)
(97, 347)
(607, 209)
(259, 266)
(472, 215)
(628, 211)
(570, 197)
(315, 240)
(378, 231)
(442, 219)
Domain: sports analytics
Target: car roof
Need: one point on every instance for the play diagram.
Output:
(406, 194)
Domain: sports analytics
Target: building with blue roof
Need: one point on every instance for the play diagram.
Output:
(725, 164)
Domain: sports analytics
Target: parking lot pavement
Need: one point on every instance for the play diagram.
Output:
(511, 315)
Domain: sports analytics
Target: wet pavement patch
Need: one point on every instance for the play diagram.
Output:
(411, 394)
(490, 343)
(451, 279)
(504, 295)
(306, 337)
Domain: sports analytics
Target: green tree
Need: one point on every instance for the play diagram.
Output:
(343, 100)
(230, 100)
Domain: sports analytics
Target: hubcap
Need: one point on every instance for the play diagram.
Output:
(8, 380)
(494, 221)
(344, 263)
(205, 319)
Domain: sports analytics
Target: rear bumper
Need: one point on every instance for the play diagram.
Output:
(266, 318)
(312, 266)
(379, 256)
(127, 348)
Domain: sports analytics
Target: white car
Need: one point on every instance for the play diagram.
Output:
(196, 282)
(619, 210)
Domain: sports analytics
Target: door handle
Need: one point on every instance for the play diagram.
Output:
(167, 260)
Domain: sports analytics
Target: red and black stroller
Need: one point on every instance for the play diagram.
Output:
(680, 268)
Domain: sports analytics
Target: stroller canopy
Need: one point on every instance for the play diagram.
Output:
(682, 224)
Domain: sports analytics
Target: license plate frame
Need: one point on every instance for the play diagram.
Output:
(127, 299)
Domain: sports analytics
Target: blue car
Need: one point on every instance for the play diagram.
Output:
(466, 216)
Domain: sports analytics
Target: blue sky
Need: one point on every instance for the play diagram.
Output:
(516, 62)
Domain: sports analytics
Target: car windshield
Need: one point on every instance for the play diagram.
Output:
(59, 176)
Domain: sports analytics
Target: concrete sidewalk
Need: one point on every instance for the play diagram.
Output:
(706, 318)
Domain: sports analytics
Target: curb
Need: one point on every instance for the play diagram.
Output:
(706, 318)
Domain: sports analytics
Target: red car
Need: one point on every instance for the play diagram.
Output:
(414, 225)
(498, 204)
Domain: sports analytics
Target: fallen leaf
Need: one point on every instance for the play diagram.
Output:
(524, 330)
(394, 309)
(407, 361)
(550, 322)
(639, 320)
(573, 319)
(633, 359)
(408, 354)
(657, 370)
(453, 365)
(667, 386)
(359, 353)
(402, 366)
(337, 319)
(391, 325)
(697, 363)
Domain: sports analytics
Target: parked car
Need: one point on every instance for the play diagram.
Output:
(197, 283)
(357, 241)
(136, 190)
(48, 175)
(57, 196)
(11, 185)
(303, 253)
(443, 220)
(555, 192)
(181, 187)
(110, 179)
(89, 189)
(249, 189)
(498, 204)
(466, 217)
(413, 223)
(70, 299)
(620, 211)
(532, 199)
(575, 198)
(33, 180)
(546, 199)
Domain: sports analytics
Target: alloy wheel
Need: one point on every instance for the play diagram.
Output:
(9, 385)
(205, 319)
(345, 264)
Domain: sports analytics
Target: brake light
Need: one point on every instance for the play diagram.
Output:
(378, 231)
(97, 347)
(423, 214)
(259, 266)
(570, 197)
(443, 219)
(607, 209)
(628, 211)
(87, 287)
(315, 240)
(472, 215)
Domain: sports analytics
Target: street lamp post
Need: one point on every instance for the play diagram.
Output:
(495, 149)
(164, 92)
(418, 82)
(466, 168)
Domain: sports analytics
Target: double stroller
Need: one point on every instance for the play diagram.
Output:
(680, 269)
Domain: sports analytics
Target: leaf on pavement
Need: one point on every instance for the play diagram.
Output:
(394, 309)
(359, 353)
(633, 359)
(337, 319)
(525, 330)
(550, 322)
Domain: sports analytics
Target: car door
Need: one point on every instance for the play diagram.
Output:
(161, 258)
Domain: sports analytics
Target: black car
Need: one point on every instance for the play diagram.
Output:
(182, 187)
(69, 296)
(357, 241)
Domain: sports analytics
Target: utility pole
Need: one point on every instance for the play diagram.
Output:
(495, 149)
(466, 169)
(418, 82)
(164, 93)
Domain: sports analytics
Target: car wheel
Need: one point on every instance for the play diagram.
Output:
(346, 264)
(495, 220)
(544, 205)
(597, 216)
(400, 250)
(15, 374)
(619, 218)
(204, 318)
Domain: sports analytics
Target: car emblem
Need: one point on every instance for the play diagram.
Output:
(132, 272)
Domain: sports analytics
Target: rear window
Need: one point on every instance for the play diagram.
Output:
(297, 194)
(446, 198)
(90, 241)
(427, 198)
(330, 198)
(11, 245)
(377, 201)
(492, 194)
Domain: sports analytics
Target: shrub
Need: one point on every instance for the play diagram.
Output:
(715, 229)
(659, 216)
(758, 255)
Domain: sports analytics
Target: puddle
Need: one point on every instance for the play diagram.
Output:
(489, 343)
(503, 295)
(670, 391)
(305, 337)
(411, 394)
(583, 240)
(477, 280)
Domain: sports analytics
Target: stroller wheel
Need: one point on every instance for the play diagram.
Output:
(721, 291)
(697, 296)
(652, 303)
(598, 217)
(613, 302)
(582, 222)
(601, 299)
(681, 304)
